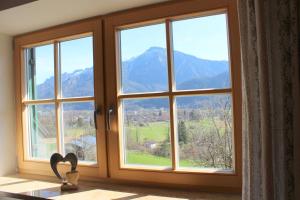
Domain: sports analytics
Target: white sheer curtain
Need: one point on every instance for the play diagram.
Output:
(271, 123)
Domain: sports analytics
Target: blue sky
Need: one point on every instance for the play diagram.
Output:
(75, 54)
(204, 37)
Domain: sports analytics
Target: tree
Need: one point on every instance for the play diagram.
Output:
(192, 115)
(160, 113)
(182, 133)
(210, 143)
(80, 122)
(164, 148)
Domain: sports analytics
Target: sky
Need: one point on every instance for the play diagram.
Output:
(75, 54)
(203, 37)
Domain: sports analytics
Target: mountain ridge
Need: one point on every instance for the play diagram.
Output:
(147, 73)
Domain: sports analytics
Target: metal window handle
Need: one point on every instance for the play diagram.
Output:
(96, 112)
(110, 112)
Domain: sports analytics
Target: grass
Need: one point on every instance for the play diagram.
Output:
(156, 131)
(139, 158)
(77, 132)
(146, 159)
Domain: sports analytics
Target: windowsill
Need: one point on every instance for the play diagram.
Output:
(180, 170)
(49, 187)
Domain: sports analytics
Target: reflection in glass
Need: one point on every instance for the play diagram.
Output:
(77, 73)
(146, 131)
(201, 53)
(204, 131)
(79, 130)
(42, 130)
(143, 59)
(40, 72)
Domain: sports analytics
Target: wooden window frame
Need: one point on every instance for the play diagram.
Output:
(106, 94)
(151, 15)
(92, 27)
(171, 94)
(57, 101)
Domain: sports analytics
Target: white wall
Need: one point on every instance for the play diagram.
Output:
(46, 13)
(7, 107)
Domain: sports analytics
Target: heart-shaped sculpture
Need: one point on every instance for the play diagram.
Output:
(56, 158)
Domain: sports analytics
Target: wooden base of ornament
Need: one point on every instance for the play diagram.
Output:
(71, 182)
(68, 187)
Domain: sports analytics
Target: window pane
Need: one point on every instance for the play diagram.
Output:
(143, 59)
(42, 130)
(40, 72)
(201, 53)
(204, 130)
(79, 130)
(77, 71)
(146, 131)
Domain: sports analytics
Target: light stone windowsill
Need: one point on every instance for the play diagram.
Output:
(49, 187)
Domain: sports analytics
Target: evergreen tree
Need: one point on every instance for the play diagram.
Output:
(192, 115)
(182, 133)
(160, 113)
(80, 122)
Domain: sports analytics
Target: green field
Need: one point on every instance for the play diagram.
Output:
(156, 131)
(148, 159)
(77, 132)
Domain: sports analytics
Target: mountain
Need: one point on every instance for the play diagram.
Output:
(218, 81)
(75, 84)
(147, 73)
(79, 83)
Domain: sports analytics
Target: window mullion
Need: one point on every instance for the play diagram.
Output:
(57, 95)
(171, 97)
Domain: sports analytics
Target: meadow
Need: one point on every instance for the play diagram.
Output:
(158, 133)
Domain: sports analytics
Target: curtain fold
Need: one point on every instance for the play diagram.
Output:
(271, 116)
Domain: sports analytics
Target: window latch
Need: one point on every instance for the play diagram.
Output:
(96, 112)
(110, 112)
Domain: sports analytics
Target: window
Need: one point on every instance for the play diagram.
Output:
(60, 99)
(175, 96)
(181, 100)
(158, 102)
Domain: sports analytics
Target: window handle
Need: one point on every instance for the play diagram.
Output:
(96, 112)
(109, 113)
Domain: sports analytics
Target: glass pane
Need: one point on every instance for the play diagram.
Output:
(42, 130)
(143, 59)
(146, 131)
(77, 71)
(201, 53)
(204, 130)
(40, 72)
(79, 130)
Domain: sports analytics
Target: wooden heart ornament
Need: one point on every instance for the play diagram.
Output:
(56, 158)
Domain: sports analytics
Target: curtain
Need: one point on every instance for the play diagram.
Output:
(271, 117)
